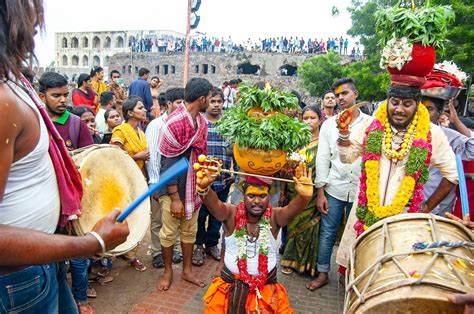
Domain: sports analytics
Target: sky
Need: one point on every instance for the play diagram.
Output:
(240, 19)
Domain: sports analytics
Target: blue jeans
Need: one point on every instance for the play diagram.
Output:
(37, 289)
(210, 237)
(330, 224)
(79, 276)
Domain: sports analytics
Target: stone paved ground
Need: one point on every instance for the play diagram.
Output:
(187, 298)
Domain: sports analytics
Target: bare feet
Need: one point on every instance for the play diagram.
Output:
(218, 270)
(189, 277)
(318, 282)
(165, 280)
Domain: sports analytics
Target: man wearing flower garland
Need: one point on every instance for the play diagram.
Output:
(397, 149)
(248, 280)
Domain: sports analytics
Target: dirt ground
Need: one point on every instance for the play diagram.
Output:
(129, 286)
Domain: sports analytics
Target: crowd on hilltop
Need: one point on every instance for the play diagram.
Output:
(283, 44)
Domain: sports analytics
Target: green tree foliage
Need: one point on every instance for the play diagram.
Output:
(371, 81)
(460, 46)
(319, 72)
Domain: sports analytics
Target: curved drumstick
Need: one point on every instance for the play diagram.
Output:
(462, 187)
(198, 166)
(180, 167)
(353, 108)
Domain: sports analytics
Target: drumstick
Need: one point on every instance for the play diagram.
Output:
(462, 187)
(247, 174)
(179, 168)
(356, 106)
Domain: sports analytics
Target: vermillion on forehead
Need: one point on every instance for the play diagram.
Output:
(339, 89)
(256, 190)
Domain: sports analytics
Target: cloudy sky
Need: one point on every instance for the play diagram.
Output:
(240, 19)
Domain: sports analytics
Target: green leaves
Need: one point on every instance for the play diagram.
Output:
(428, 25)
(268, 100)
(416, 160)
(374, 142)
(319, 72)
(276, 132)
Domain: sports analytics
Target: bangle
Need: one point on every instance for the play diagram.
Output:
(202, 192)
(344, 136)
(99, 239)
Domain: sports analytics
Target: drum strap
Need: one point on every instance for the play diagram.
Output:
(74, 133)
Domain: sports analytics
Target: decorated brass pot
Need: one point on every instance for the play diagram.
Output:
(259, 161)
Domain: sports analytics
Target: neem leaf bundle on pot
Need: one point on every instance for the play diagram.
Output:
(261, 132)
(409, 37)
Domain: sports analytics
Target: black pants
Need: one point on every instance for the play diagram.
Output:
(210, 237)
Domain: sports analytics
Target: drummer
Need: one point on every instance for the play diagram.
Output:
(40, 187)
(389, 164)
(53, 91)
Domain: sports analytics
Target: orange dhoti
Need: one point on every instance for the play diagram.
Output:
(273, 299)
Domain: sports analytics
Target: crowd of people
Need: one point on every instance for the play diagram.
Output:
(283, 44)
(40, 186)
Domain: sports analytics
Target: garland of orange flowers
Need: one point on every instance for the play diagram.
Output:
(378, 140)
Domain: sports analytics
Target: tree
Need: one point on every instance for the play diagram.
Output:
(319, 72)
(372, 82)
(460, 48)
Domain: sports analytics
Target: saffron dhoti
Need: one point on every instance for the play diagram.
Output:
(273, 298)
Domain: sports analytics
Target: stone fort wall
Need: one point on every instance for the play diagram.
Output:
(216, 67)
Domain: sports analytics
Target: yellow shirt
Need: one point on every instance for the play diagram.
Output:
(99, 87)
(132, 142)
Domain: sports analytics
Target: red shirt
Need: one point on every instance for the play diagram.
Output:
(79, 98)
(468, 168)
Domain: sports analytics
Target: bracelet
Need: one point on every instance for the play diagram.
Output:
(98, 238)
(344, 136)
(202, 192)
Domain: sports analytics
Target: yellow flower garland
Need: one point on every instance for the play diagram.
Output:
(407, 185)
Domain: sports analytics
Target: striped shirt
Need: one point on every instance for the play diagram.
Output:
(218, 147)
(152, 133)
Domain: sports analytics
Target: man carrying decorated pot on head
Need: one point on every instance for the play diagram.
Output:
(397, 148)
(248, 281)
(262, 137)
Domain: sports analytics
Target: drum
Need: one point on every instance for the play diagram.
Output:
(111, 179)
(386, 275)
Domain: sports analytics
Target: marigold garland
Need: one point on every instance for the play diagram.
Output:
(254, 282)
(417, 143)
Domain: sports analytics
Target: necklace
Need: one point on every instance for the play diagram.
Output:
(241, 235)
(253, 236)
(416, 146)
